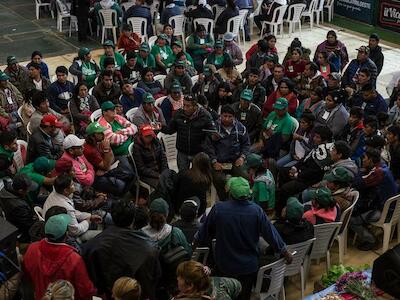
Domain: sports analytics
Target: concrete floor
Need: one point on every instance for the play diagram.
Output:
(21, 33)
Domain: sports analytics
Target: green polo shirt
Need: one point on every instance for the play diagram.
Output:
(284, 125)
(36, 177)
(123, 148)
(167, 56)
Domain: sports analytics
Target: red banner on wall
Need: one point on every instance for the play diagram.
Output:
(389, 14)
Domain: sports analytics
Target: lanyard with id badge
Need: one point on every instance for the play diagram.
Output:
(9, 96)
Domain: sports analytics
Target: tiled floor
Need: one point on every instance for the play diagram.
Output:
(309, 38)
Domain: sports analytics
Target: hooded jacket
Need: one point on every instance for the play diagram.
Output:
(348, 164)
(46, 262)
(376, 55)
(321, 216)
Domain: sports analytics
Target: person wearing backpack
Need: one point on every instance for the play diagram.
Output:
(173, 245)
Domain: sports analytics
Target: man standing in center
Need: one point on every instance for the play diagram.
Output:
(191, 124)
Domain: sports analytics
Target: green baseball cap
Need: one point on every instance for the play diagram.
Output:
(43, 165)
(4, 76)
(109, 43)
(57, 225)
(339, 174)
(178, 43)
(83, 51)
(11, 60)
(144, 47)
(246, 94)
(148, 98)
(95, 127)
(238, 187)
(163, 36)
(294, 209)
(219, 44)
(323, 196)
(280, 103)
(253, 160)
(180, 63)
(159, 205)
(108, 105)
(176, 87)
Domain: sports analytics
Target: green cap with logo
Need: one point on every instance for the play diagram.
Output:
(95, 127)
(4, 76)
(176, 87)
(57, 225)
(144, 47)
(43, 165)
(294, 209)
(238, 187)
(339, 174)
(178, 43)
(83, 51)
(148, 98)
(11, 60)
(280, 103)
(159, 205)
(246, 94)
(323, 196)
(180, 63)
(108, 105)
(109, 43)
(219, 44)
(253, 160)
(163, 36)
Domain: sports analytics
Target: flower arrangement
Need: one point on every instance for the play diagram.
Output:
(355, 283)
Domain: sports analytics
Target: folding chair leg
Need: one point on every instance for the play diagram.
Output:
(328, 260)
(302, 281)
(386, 237)
(37, 12)
(341, 247)
(398, 232)
(114, 30)
(52, 13)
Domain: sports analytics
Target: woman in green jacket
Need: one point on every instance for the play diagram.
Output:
(199, 45)
(109, 51)
(163, 53)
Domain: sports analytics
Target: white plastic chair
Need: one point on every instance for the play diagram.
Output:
(39, 212)
(95, 115)
(325, 234)
(256, 12)
(195, 78)
(108, 18)
(161, 99)
(310, 12)
(276, 276)
(297, 265)
(29, 129)
(329, 6)
(276, 21)
(18, 158)
(233, 26)
(345, 219)
(178, 24)
(39, 4)
(296, 124)
(139, 183)
(207, 23)
(294, 17)
(73, 22)
(152, 41)
(200, 254)
(129, 114)
(169, 143)
(243, 14)
(319, 10)
(139, 26)
(217, 10)
(161, 79)
(387, 225)
(126, 5)
(62, 13)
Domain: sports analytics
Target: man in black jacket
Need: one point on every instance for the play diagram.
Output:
(42, 143)
(252, 83)
(14, 203)
(191, 123)
(122, 251)
(375, 53)
(272, 81)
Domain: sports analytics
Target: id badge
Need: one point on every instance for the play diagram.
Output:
(291, 69)
(323, 68)
(202, 41)
(325, 116)
(10, 100)
(242, 116)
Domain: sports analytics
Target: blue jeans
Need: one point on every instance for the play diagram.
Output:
(286, 161)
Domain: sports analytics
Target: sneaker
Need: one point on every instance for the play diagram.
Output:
(367, 246)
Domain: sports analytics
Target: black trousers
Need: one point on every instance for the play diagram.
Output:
(83, 23)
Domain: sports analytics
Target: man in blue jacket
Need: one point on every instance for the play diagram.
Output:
(60, 91)
(371, 101)
(228, 148)
(237, 225)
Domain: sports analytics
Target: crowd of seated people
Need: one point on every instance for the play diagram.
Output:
(287, 139)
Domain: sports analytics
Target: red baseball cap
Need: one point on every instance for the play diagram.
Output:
(51, 120)
(146, 130)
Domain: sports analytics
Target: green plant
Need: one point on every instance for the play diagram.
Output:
(336, 271)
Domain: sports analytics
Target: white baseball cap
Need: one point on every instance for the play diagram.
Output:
(72, 140)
